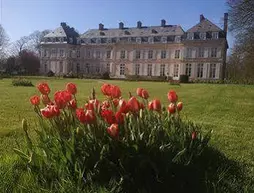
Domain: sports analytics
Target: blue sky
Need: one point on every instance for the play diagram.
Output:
(22, 17)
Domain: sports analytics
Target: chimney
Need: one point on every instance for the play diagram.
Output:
(63, 24)
(163, 23)
(121, 25)
(225, 22)
(139, 24)
(101, 26)
(201, 18)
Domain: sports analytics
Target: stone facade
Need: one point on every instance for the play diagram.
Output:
(165, 50)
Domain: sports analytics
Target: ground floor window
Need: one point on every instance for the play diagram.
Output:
(108, 68)
(162, 70)
(200, 70)
(87, 68)
(188, 69)
(78, 67)
(46, 67)
(137, 69)
(149, 69)
(176, 70)
(60, 66)
(122, 69)
(97, 69)
(212, 70)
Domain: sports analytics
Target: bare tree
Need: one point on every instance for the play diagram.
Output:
(4, 41)
(20, 45)
(36, 38)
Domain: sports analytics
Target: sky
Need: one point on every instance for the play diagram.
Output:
(22, 17)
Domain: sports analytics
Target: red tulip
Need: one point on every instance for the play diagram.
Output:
(123, 107)
(80, 113)
(179, 106)
(105, 105)
(115, 91)
(141, 106)
(139, 91)
(171, 108)
(93, 104)
(120, 117)
(172, 96)
(193, 135)
(108, 116)
(50, 111)
(150, 105)
(35, 100)
(133, 104)
(157, 105)
(72, 104)
(105, 89)
(144, 94)
(116, 102)
(71, 88)
(113, 131)
(62, 98)
(45, 99)
(43, 88)
(90, 116)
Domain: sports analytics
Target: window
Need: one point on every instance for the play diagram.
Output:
(215, 35)
(137, 68)
(122, 54)
(60, 66)
(190, 36)
(122, 69)
(189, 53)
(177, 53)
(149, 70)
(88, 54)
(45, 67)
(137, 54)
(87, 68)
(201, 52)
(108, 67)
(212, 70)
(214, 52)
(98, 54)
(163, 54)
(162, 70)
(150, 39)
(188, 69)
(164, 39)
(53, 52)
(78, 67)
(150, 54)
(176, 70)
(78, 53)
(108, 54)
(97, 69)
(138, 40)
(45, 53)
(200, 70)
(178, 39)
(61, 53)
(202, 35)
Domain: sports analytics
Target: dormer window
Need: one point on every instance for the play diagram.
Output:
(126, 32)
(215, 35)
(202, 35)
(178, 39)
(71, 40)
(138, 40)
(190, 36)
(154, 31)
(78, 41)
(98, 41)
(164, 39)
(102, 33)
(109, 40)
(150, 39)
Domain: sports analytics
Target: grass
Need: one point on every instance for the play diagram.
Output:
(227, 109)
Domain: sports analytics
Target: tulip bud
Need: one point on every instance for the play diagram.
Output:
(171, 108)
(194, 135)
(179, 106)
(24, 125)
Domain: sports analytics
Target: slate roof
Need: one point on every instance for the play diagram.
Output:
(168, 30)
(204, 26)
(58, 32)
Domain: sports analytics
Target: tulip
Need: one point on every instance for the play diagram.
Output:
(133, 105)
(50, 111)
(62, 98)
(144, 94)
(72, 104)
(105, 89)
(150, 105)
(71, 88)
(35, 100)
(123, 106)
(80, 113)
(120, 117)
(108, 116)
(93, 104)
(139, 91)
(116, 102)
(141, 106)
(43, 88)
(157, 105)
(171, 108)
(113, 131)
(105, 104)
(179, 106)
(193, 135)
(115, 91)
(172, 96)
(45, 99)
(90, 116)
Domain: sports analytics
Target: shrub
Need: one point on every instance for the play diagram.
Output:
(50, 73)
(184, 78)
(106, 76)
(21, 82)
(146, 78)
(125, 145)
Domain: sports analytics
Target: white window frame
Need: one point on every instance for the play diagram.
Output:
(108, 54)
(122, 54)
(190, 36)
(212, 72)
(137, 69)
(149, 70)
(138, 54)
(202, 35)
(201, 52)
(163, 54)
(214, 52)
(138, 40)
(200, 70)
(176, 70)
(162, 69)
(122, 69)
(215, 35)
(188, 68)
(150, 40)
(150, 54)
(164, 39)
(177, 54)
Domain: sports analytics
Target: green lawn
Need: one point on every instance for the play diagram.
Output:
(227, 109)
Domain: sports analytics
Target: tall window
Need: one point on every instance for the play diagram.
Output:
(46, 67)
(201, 52)
(88, 54)
(215, 35)
(150, 54)
(190, 36)
(78, 67)
(214, 52)
(97, 69)
(108, 67)
(177, 53)
(108, 54)
(122, 69)
(78, 53)
(200, 70)
(149, 70)
(189, 53)
(188, 69)
(137, 68)
(45, 53)
(61, 53)
(137, 54)
(60, 66)
(212, 70)
(163, 54)
(53, 52)
(176, 70)
(87, 68)
(202, 35)
(162, 70)
(98, 54)
(122, 54)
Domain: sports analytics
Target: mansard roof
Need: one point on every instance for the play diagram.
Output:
(63, 31)
(167, 30)
(204, 26)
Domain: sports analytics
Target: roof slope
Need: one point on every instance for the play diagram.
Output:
(58, 32)
(204, 26)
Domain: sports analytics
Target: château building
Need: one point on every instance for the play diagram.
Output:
(164, 50)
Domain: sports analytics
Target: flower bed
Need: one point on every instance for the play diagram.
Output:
(128, 145)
